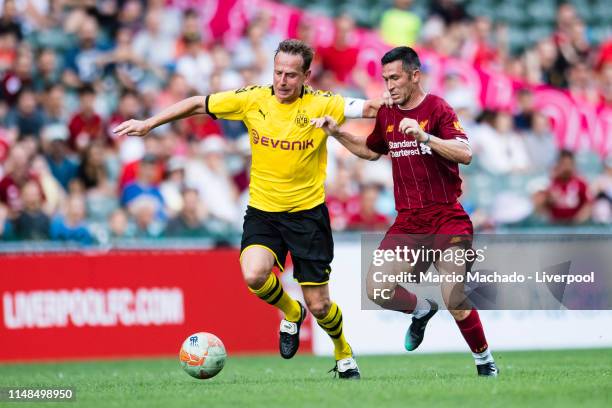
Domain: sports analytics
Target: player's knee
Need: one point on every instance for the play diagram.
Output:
(319, 307)
(255, 275)
(459, 315)
(380, 294)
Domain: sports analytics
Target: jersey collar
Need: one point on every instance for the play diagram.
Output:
(301, 92)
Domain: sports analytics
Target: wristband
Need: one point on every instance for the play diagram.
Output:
(428, 139)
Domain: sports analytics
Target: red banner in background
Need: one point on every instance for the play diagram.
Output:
(576, 125)
(129, 304)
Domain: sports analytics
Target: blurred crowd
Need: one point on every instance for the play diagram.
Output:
(70, 71)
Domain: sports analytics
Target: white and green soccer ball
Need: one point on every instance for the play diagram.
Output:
(202, 355)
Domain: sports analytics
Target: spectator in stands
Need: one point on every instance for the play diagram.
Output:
(342, 199)
(9, 21)
(92, 170)
(602, 194)
(606, 85)
(17, 78)
(399, 26)
(118, 225)
(581, 83)
(18, 173)
(145, 211)
(540, 143)
(131, 14)
(72, 226)
(31, 222)
(8, 49)
(152, 146)
(207, 172)
(5, 147)
(48, 70)
(222, 67)
(54, 105)
(502, 151)
(341, 56)
(123, 65)
(525, 109)
(486, 48)
(191, 27)
(173, 185)
(256, 47)
(11, 33)
(129, 107)
(25, 119)
(458, 94)
(566, 200)
(543, 67)
(570, 38)
(176, 90)
(195, 65)
(451, 11)
(85, 125)
(368, 218)
(152, 43)
(51, 188)
(577, 49)
(145, 185)
(604, 56)
(6, 232)
(55, 148)
(82, 61)
(190, 221)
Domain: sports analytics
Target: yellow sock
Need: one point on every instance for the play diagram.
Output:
(332, 324)
(272, 292)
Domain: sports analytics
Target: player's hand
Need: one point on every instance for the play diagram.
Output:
(327, 123)
(411, 127)
(133, 127)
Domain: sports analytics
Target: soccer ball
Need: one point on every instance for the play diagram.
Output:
(202, 355)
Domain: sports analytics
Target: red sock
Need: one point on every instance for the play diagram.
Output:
(402, 301)
(473, 333)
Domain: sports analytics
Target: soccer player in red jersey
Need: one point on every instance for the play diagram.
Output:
(426, 143)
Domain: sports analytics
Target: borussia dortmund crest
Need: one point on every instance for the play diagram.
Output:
(301, 119)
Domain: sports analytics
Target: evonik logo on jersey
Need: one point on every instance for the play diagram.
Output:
(281, 144)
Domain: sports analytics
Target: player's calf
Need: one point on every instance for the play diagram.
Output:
(473, 332)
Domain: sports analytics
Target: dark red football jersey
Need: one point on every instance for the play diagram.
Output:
(421, 177)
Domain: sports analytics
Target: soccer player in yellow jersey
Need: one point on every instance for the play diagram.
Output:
(286, 211)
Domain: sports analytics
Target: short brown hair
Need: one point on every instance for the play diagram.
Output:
(297, 47)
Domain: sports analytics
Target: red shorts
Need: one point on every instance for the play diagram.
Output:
(437, 226)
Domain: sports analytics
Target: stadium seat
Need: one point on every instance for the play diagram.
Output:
(602, 12)
(542, 12)
(512, 12)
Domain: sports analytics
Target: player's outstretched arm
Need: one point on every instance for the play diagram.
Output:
(355, 144)
(454, 150)
(187, 107)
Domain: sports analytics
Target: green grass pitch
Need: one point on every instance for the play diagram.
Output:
(566, 378)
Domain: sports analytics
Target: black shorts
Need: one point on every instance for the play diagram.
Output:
(306, 234)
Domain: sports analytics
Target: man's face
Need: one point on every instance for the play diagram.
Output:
(400, 84)
(147, 173)
(565, 167)
(288, 77)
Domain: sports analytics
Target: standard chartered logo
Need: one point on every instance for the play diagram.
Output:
(408, 148)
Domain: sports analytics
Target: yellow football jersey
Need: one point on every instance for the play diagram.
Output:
(289, 155)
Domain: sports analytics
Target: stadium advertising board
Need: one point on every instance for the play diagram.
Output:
(127, 303)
